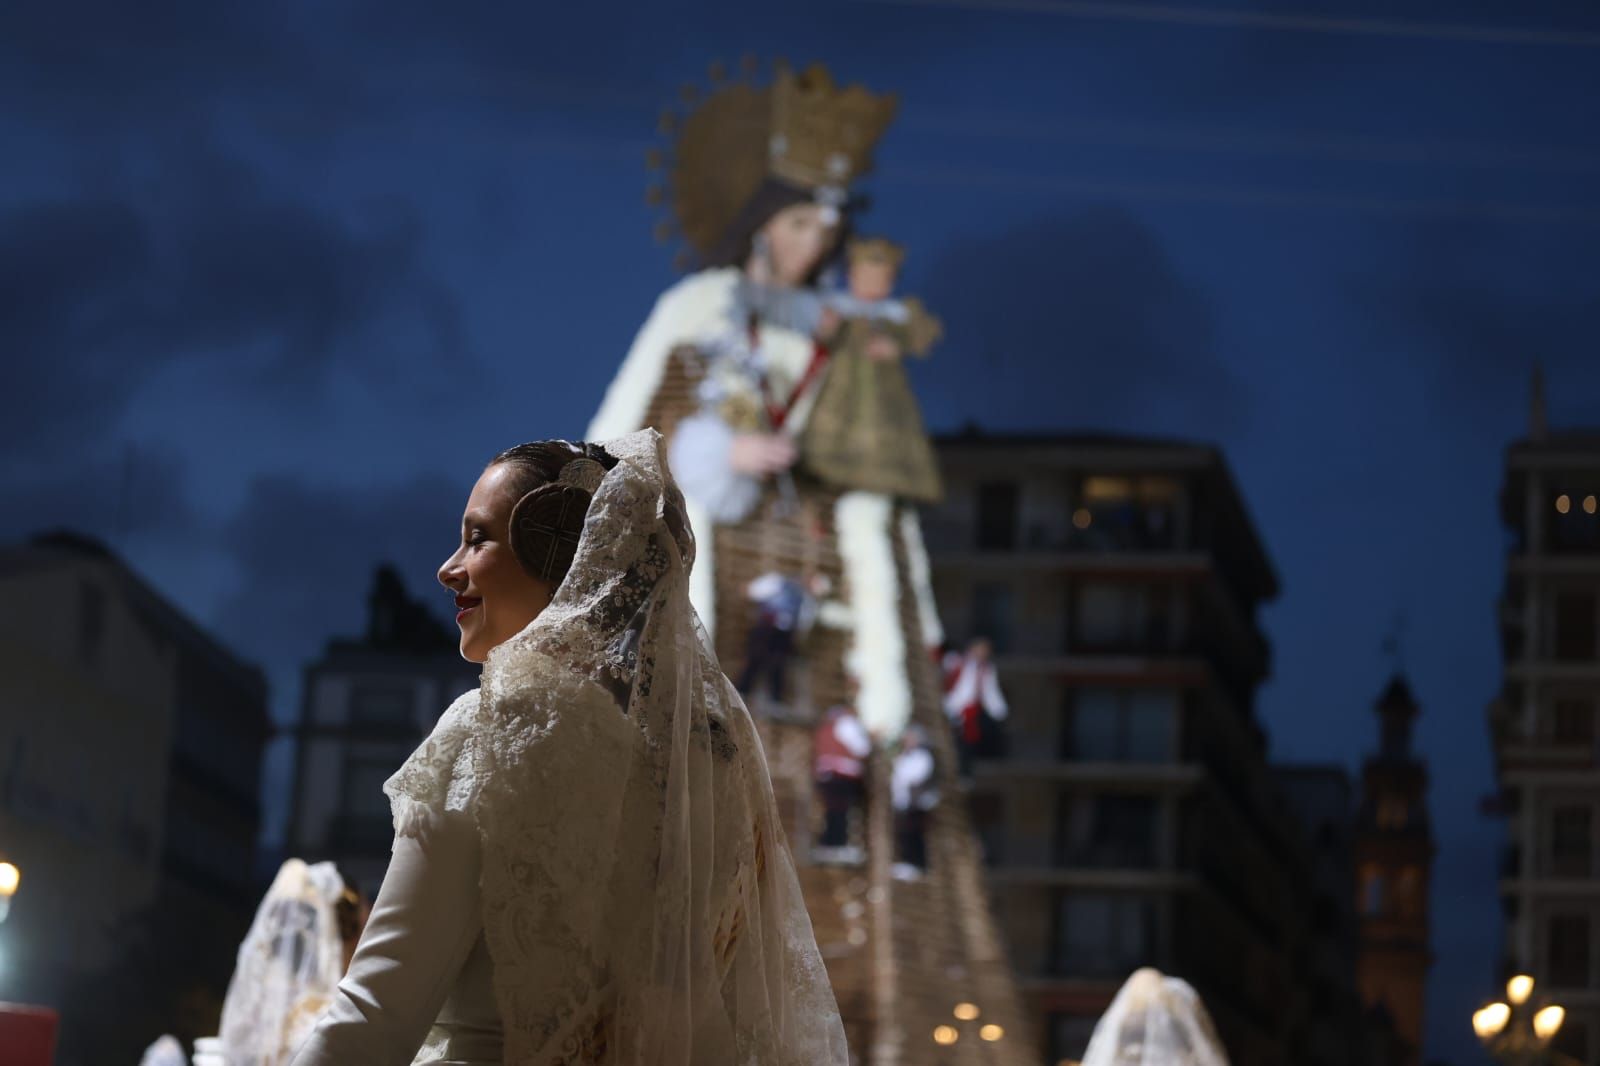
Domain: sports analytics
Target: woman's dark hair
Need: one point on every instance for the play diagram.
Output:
(547, 519)
(772, 196)
(347, 910)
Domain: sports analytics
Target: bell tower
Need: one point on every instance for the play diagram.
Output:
(1394, 853)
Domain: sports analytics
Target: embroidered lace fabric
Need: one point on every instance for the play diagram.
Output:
(288, 967)
(1155, 1021)
(639, 903)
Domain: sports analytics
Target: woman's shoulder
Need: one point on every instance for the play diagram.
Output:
(437, 775)
(529, 695)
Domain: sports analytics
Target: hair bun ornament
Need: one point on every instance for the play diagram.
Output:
(582, 473)
(546, 526)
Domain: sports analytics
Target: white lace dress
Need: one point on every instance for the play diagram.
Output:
(420, 987)
(588, 863)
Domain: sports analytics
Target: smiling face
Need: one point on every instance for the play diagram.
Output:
(495, 597)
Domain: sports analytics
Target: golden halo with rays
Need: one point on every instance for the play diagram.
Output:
(724, 140)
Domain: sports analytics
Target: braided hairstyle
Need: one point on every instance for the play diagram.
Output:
(552, 501)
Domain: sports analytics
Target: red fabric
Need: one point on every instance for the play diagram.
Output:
(27, 1035)
(779, 413)
(971, 714)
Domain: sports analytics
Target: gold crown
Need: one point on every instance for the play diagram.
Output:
(800, 128)
(876, 250)
(823, 135)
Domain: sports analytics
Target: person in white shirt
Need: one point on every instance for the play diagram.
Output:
(975, 704)
(915, 793)
(840, 749)
(785, 609)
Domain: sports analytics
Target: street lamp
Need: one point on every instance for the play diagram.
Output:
(1518, 1033)
(10, 877)
(947, 1034)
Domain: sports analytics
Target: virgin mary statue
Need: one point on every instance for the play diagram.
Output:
(760, 181)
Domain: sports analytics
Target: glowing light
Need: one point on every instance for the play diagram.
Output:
(1548, 1022)
(1563, 503)
(10, 877)
(966, 1011)
(991, 1033)
(1488, 1021)
(1590, 504)
(1082, 518)
(1518, 989)
(945, 1034)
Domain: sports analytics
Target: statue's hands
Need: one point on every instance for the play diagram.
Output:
(762, 453)
(882, 348)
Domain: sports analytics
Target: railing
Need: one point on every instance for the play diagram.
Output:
(945, 535)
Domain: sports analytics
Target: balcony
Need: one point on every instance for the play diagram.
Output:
(947, 536)
(1163, 777)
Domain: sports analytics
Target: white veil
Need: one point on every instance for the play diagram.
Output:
(1155, 1021)
(289, 965)
(166, 1051)
(639, 902)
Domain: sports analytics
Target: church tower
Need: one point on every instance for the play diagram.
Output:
(1394, 851)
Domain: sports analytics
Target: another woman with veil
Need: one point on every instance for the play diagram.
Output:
(1155, 1021)
(587, 866)
(289, 964)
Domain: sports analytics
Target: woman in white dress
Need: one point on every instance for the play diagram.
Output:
(587, 864)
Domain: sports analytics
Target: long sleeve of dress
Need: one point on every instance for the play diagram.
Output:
(424, 924)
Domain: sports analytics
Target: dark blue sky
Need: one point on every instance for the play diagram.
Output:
(273, 284)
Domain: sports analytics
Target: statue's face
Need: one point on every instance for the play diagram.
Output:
(796, 239)
(871, 280)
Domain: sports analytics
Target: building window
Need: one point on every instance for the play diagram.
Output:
(1107, 831)
(1408, 901)
(998, 510)
(1103, 935)
(1374, 892)
(1120, 725)
(364, 777)
(988, 821)
(992, 613)
(1575, 524)
(1127, 514)
(1567, 950)
(1573, 721)
(91, 620)
(1393, 813)
(1123, 616)
(383, 706)
(1571, 842)
(1575, 637)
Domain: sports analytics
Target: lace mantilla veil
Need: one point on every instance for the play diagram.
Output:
(1155, 1021)
(640, 904)
(289, 964)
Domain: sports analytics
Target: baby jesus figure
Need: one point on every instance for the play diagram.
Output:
(865, 431)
